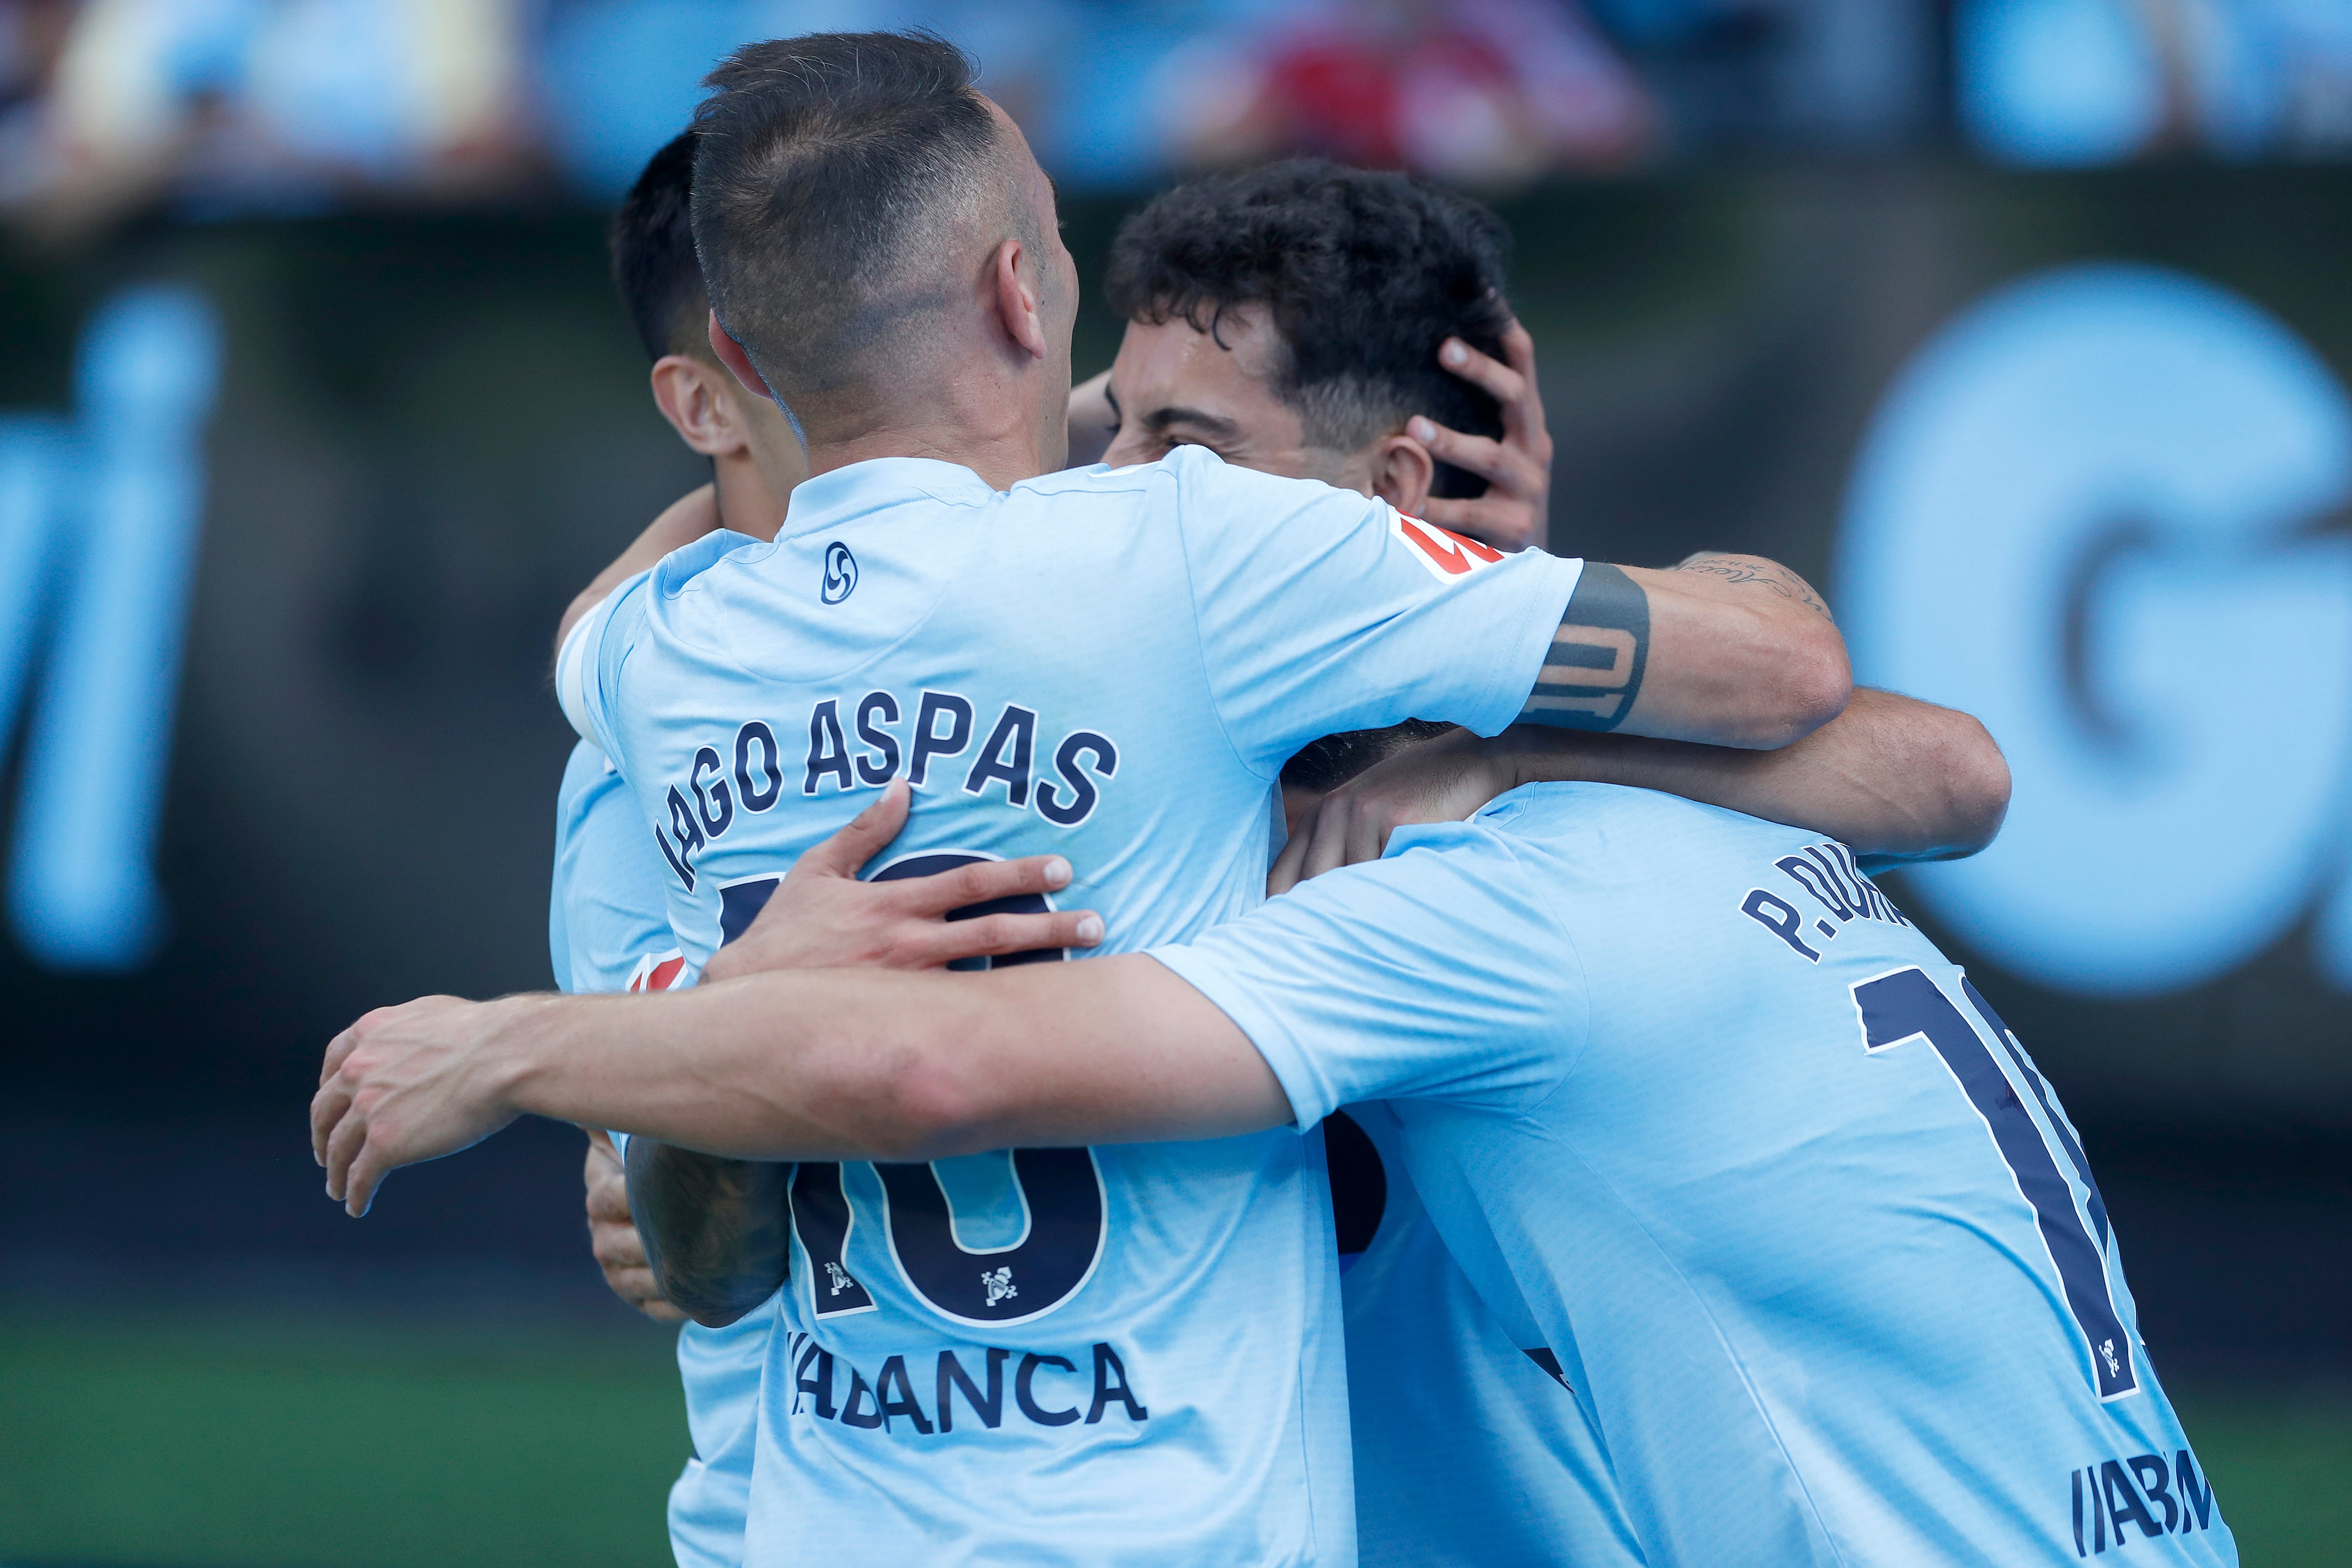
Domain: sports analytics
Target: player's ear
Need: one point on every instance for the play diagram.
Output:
(1018, 308)
(1402, 471)
(694, 396)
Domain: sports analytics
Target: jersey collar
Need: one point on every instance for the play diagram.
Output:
(834, 498)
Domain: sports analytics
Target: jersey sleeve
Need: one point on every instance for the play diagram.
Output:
(594, 647)
(1320, 610)
(1439, 973)
(580, 666)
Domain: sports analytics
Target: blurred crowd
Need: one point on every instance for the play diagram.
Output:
(228, 107)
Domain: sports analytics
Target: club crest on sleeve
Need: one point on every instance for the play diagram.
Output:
(657, 971)
(1447, 556)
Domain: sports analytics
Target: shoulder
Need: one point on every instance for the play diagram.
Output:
(674, 573)
(1094, 481)
(1620, 819)
(1201, 478)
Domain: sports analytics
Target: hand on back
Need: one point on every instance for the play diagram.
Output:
(1444, 779)
(613, 1233)
(823, 916)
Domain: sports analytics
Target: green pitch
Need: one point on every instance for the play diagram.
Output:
(301, 1444)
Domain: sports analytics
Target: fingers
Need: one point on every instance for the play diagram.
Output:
(1329, 849)
(1507, 526)
(617, 1246)
(1504, 384)
(1486, 457)
(328, 1108)
(344, 1149)
(984, 881)
(864, 837)
(992, 936)
(1289, 863)
(1367, 836)
(368, 1171)
(1519, 348)
(1344, 830)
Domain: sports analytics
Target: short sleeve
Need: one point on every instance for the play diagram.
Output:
(609, 895)
(593, 650)
(1439, 973)
(1321, 610)
(580, 664)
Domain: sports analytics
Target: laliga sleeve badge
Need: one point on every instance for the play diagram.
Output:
(657, 971)
(1447, 556)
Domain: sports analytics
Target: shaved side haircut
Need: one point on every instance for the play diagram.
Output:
(836, 179)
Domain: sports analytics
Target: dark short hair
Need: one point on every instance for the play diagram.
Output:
(1324, 765)
(652, 242)
(1364, 274)
(827, 165)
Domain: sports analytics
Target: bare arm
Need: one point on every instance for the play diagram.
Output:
(682, 522)
(714, 1229)
(1893, 778)
(818, 1065)
(1730, 651)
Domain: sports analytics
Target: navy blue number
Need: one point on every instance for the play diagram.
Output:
(821, 1214)
(1907, 1005)
(1061, 1189)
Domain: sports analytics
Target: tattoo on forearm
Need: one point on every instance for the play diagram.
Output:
(714, 1229)
(1779, 579)
(1593, 672)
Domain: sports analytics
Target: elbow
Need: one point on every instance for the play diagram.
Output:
(1815, 683)
(717, 1300)
(1977, 787)
(914, 1104)
(711, 1312)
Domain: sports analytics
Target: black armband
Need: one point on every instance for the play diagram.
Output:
(1593, 670)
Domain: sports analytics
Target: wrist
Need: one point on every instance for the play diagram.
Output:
(514, 1055)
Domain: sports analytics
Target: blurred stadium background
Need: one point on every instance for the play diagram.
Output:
(2021, 325)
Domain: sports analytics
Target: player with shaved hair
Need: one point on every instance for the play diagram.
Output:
(918, 577)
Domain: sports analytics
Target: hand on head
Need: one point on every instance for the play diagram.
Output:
(1516, 468)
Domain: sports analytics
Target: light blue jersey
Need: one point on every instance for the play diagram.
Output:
(1802, 1223)
(608, 929)
(1126, 1355)
(1469, 1454)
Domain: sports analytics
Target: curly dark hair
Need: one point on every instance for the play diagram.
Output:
(1363, 274)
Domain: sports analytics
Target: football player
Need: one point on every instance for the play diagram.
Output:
(1110, 665)
(1710, 1125)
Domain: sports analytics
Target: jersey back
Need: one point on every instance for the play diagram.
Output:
(1469, 1453)
(1121, 1354)
(1795, 1210)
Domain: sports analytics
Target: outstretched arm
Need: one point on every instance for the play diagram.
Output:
(1893, 778)
(820, 1065)
(1730, 651)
